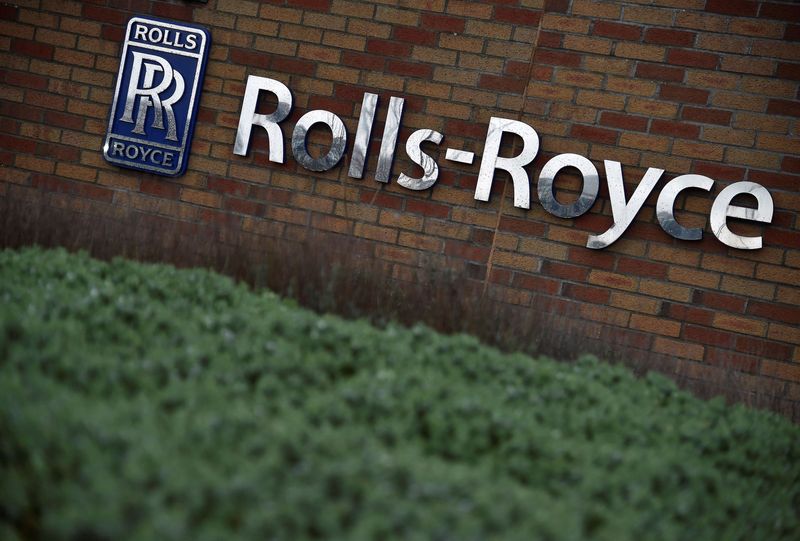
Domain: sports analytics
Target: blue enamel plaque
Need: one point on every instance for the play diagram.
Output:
(158, 90)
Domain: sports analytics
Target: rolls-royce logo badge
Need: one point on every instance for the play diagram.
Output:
(156, 97)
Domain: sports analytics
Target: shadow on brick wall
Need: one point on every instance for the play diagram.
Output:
(332, 273)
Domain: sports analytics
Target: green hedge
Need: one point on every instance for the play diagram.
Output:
(145, 402)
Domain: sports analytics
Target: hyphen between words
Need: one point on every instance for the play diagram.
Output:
(623, 210)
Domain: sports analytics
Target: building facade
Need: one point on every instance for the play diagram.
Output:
(665, 88)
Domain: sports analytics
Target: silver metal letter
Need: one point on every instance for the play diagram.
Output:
(515, 166)
(365, 120)
(146, 95)
(665, 207)
(622, 211)
(591, 185)
(389, 139)
(722, 209)
(248, 117)
(460, 156)
(338, 142)
(428, 164)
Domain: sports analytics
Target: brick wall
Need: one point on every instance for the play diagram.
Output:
(689, 86)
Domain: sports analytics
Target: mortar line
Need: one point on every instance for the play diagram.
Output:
(489, 264)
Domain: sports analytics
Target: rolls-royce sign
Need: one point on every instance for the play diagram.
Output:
(623, 209)
(158, 90)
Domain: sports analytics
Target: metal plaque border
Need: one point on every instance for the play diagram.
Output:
(194, 100)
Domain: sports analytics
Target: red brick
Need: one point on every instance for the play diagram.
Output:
(557, 58)
(316, 5)
(773, 237)
(593, 222)
(675, 129)
(782, 12)
(792, 33)
(613, 30)
(334, 105)
(466, 250)
(500, 276)
(565, 271)
(20, 111)
(517, 15)
(624, 121)
(112, 33)
(645, 231)
(765, 348)
(788, 70)
(46, 99)
(410, 69)
(389, 48)
(160, 188)
(360, 60)
(523, 227)
(641, 267)
(427, 208)
(783, 107)
(668, 36)
(483, 237)
(556, 6)
(719, 171)
(536, 283)
(17, 144)
(592, 258)
(518, 68)
(249, 57)
(783, 371)
(741, 8)
(791, 164)
(173, 11)
(659, 72)
(466, 129)
(711, 337)
(688, 314)
(707, 116)
(693, 59)
(549, 39)
(104, 14)
(227, 186)
(613, 279)
(59, 152)
(719, 301)
(244, 206)
(32, 48)
(597, 135)
(683, 94)
(8, 12)
(596, 295)
(415, 35)
(382, 199)
(775, 311)
(64, 120)
(770, 179)
(293, 65)
(27, 80)
(443, 23)
(513, 85)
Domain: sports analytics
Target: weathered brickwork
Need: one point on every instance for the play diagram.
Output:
(688, 86)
